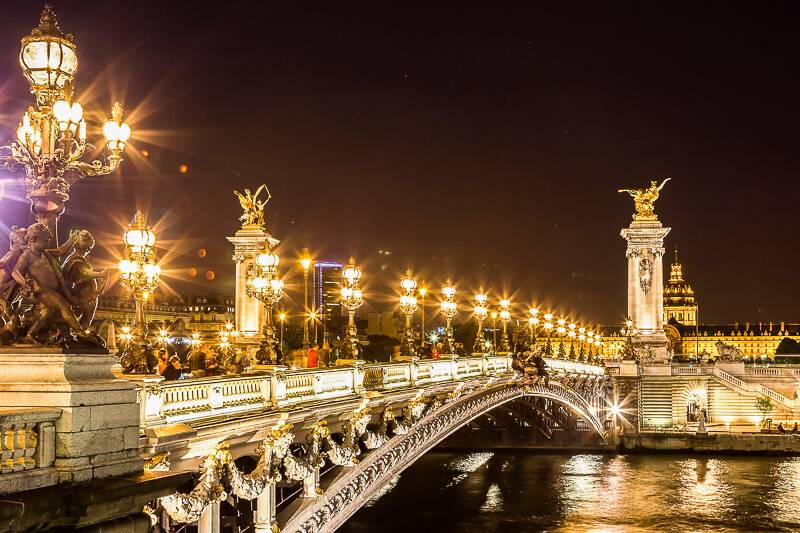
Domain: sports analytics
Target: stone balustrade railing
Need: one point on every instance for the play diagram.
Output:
(573, 367)
(186, 400)
(27, 449)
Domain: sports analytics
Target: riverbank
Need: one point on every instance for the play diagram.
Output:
(749, 443)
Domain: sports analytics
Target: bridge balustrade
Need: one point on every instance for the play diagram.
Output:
(196, 399)
(27, 449)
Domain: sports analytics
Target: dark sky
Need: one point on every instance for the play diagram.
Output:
(482, 141)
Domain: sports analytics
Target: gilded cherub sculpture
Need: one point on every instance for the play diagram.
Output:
(253, 208)
(645, 199)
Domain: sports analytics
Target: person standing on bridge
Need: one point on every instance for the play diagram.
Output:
(312, 356)
(324, 355)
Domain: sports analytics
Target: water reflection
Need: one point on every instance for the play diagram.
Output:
(517, 492)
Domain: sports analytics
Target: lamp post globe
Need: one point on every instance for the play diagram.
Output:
(449, 309)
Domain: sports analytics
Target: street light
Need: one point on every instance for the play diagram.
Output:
(628, 330)
(51, 138)
(481, 312)
(533, 325)
(352, 299)
(408, 306)
(505, 318)
(264, 283)
(548, 327)
(305, 262)
(422, 292)
(282, 318)
(561, 330)
(571, 334)
(449, 309)
(138, 271)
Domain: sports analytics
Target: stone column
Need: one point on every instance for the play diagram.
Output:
(646, 286)
(250, 314)
(265, 510)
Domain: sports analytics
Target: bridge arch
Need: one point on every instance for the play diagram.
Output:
(351, 490)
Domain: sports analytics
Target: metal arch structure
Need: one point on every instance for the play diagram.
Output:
(356, 485)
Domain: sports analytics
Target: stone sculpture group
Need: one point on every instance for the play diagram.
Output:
(48, 295)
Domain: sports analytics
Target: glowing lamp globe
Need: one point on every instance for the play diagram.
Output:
(408, 283)
(47, 56)
(351, 273)
(267, 259)
(481, 299)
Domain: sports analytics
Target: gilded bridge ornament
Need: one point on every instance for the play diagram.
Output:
(645, 199)
(253, 208)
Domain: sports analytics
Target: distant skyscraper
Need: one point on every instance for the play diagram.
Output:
(327, 298)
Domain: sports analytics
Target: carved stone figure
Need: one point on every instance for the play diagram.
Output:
(253, 208)
(81, 278)
(645, 354)
(645, 272)
(644, 200)
(9, 288)
(43, 285)
(728, 352)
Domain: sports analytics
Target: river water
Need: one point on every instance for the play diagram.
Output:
(490, 492)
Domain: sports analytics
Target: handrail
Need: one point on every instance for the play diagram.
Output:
(195, 399)
(754, 388)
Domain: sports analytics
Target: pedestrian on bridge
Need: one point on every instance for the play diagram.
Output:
(312, 356)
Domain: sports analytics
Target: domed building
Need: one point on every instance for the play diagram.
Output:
(679, 300)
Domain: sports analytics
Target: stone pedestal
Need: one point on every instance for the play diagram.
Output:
(646, 287)
(97, 434)
(248, 242)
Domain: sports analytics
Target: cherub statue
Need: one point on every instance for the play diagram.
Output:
(43, 284)
(81, 278)
(645, 199)
(9, 288)
(253, 208)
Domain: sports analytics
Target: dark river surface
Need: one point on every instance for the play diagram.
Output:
(518, 491)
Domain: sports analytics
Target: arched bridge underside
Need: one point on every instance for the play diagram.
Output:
(354, 487)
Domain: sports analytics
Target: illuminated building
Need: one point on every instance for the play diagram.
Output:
(679, 300)
(327, 295)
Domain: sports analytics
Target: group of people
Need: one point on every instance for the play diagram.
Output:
(782, 430)
(319, 357)
(199, 364)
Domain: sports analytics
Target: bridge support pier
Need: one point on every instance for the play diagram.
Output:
(209, 521)
(265, 510)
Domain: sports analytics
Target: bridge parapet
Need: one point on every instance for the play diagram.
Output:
(187, 401)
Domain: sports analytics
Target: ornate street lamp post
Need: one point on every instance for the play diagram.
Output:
(494, 331)
(581, 343)
(449, 309)
(561, 330)
(505, 318)
(598, 341)
(352, 299)
(590, 342)
(533, 325)
(571, 334)
(408, 306)
(52, 136)
(629, 330)
(305, 262)
(422, 292)
(264, 283)
(548, 327)
(138, 271)
(481, 312)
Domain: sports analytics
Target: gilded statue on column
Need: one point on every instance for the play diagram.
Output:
(253, 208)
(645, 199)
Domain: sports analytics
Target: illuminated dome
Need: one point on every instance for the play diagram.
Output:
(677, 291)
(679, 299)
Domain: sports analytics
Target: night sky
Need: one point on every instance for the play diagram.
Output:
(485, 143)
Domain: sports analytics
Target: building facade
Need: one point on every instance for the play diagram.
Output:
(327, 296)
